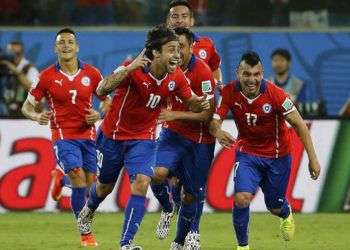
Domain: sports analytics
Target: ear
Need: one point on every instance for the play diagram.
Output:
(55, 49)
(77, 48)
(192, 22)
(155, 53)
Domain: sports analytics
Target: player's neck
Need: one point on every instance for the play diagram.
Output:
(282, 77)
(157, 71)
(69, 67)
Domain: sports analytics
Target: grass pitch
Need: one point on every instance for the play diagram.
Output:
(36, 231)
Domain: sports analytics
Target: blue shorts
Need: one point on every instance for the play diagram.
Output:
(271, 174)
(137, 156)
(188, 160)
(73, 153)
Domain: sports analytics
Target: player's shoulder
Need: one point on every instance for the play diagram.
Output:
(90, 68)
(231, 87)
(48, 72)
(271, 86)
(201, 65)
(204, 40)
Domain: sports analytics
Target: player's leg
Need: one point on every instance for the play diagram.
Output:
(246, 181)
(139, 162)
(175, 187)
(109, 162)
(274, 187)
(168, 155)
(201, 161)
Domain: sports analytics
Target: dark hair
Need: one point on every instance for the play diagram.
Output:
(282, 52)
(185, 32)
(157, 37)
(175, 3)
(251, 58)
(65, 30)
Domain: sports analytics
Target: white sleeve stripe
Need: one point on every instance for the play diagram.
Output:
(289, 111)
(31, 99)
(216, 117)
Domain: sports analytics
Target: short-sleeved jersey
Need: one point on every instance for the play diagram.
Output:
(204, 49)
(202, 82)
(68, 97)
(262, 129)
(138, 101)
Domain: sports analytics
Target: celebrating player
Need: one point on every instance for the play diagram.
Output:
(260, 110)
(186, 148)
(127, 136)
(68, 86)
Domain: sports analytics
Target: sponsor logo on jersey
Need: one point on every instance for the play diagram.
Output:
(287, 104)
(59, 82)
(202, 53)
(146, 84)
(86, 81)
(171, 85)
(206, 86)
(266, 108)
(238, 104)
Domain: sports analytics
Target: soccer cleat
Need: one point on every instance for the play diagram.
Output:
(192, 241)
(287, 227)
(88, 240)
(56, 191)
(163, 226)
(176, 246)
(130, 247)
(243, 248)
(85, 220)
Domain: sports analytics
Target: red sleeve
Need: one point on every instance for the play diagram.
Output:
(215, 60)
(97, 79)
(284, 104)
(223, 105)
(183, 87)
(37, 91)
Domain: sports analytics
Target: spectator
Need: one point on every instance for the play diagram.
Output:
(16, 77)
(281, 61)
(93, 12)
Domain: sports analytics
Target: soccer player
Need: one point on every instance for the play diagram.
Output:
(185, 148)
(68, 86)
(260, 110)
(127, 136)
(181, 14)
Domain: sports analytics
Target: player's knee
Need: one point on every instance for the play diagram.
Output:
(275, 211)
(77, 177)
(188, 198)
(140, 185)
(103, 190)
(160, 174)
(243, 199)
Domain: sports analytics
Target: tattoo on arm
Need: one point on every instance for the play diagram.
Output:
(111, 82)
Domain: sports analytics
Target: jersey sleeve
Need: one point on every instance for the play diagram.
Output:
(183, 90)
(215, 60)
(223, 105)
(37, 91)
(97, 80)
(283, 102)
(207, 83)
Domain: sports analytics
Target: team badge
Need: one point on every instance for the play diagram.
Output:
(206, 86)
(171, 85)
(85, 81)
(266, 108)
(202, 54)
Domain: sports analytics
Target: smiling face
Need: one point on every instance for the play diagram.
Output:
(180, 16)
(168, 58)
(66, 46)
(250, 78)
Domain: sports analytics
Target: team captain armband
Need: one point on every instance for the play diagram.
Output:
(288, 106)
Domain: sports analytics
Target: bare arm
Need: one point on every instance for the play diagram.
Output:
(299, 125)
(34, 113)
(224, 138)
(217, 75)
(111, 82)
(204, 116)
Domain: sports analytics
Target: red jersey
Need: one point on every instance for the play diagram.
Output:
(202, 82)
(138, 101)
(68, 97)
(262, 129)
(204, 49)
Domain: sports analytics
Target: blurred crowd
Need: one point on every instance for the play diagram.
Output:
(294, 13)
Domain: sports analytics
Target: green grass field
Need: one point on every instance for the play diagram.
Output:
(57, 231)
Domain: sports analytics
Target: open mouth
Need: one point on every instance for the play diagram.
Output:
(173, 63)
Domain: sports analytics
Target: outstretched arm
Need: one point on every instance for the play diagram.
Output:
(299, 125)
(111, 82)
